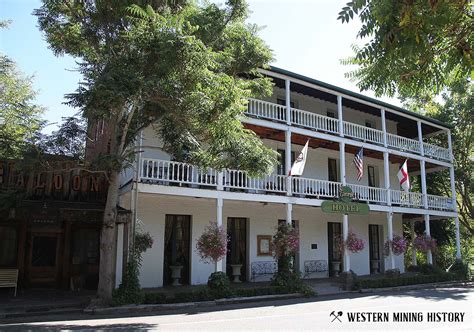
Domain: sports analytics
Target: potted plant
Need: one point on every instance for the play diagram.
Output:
(398, 245)
(424, 243)
(212, 244)
(352, 243)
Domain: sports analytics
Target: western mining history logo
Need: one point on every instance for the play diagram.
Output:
(398, 317)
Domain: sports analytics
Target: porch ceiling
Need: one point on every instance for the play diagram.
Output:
(315, 143)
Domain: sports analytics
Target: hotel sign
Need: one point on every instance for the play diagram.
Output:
(345, 204)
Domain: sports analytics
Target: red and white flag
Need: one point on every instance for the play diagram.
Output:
(298, 165)
(403, 176)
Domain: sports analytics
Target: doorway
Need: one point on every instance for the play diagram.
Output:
(177, 247)
(237, 246)
(43, 258)
(334, 254)
(375, 249)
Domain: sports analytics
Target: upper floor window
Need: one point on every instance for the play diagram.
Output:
(281, 169)
(331, 114)
(372, 174)
(333, 170)
(282, 101)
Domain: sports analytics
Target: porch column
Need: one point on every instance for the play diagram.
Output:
(423, 185)
(342, 162)
(413, 249)
(390, 238)
(288, 161)
(288, 102)
(220, 204)
(456, 219)
(384, 127)
(386, 176)
(345, 234)
(339, 115)
(119, 255)
(289, 213)
(420, 138)
(429, 255)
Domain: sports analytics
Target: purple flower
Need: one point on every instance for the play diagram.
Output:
(424, 243)
(399, 246)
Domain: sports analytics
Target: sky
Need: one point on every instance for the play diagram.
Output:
(305, 37)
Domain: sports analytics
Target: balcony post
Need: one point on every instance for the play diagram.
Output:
(390, 238)
(413, 249)
(289, 213)
(339, 115)
(220, 204)
(420, 138)
(450, 147)
(288, 161)
(342, 162)
(384, 127)
(345, 233)
(423, 184)
(386, 176)
(454, 207)
(220, 180)
(429, 255)
(288, 102)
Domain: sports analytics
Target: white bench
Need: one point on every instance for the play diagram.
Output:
(264, 268)
(9, 278)
(315, 266)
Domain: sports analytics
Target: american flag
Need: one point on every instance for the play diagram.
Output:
(359, 163)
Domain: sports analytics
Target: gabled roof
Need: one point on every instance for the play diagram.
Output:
(357, 95)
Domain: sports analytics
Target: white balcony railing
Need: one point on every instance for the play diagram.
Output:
(403, 143)
(436, 152)
(363, 133)
(314, 121)
(369, 194)
(241, 180)
(165, 172)
(440, 202)
(266, 110)
(408, 199)
(316, 188)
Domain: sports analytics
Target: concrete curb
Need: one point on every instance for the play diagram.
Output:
(187, 305)
(218, 302)
(418, 286)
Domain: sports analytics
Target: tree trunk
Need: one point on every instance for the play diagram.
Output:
(108, 242)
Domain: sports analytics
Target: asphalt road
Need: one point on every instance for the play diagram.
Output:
(443, 309)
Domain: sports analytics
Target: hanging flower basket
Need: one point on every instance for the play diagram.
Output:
(286, 240)
(424, 243)
(353, 243)
(399, 246)
(212, 244)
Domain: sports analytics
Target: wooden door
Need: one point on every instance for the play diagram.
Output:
(237, 246)
(43, 258)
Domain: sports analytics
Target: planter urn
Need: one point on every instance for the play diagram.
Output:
(236, 272)
(176, 274)
(336, 265)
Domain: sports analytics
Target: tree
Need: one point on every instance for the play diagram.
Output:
(19, 115)
(187, 69)
(415, 47)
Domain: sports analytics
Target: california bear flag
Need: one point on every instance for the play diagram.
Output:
(298, 165)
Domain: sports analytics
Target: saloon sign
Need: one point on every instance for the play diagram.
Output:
(345, 205)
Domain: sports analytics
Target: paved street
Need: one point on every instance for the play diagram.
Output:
(300, 314)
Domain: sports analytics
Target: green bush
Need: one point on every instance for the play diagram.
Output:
(461, 270)
(154, 298)
(404, 280)
(219, 284)
(256, 291)
(425, 269)
(290, 282)
(129, 290)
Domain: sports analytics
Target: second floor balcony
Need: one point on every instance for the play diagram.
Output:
(165, 172)
(275, 112)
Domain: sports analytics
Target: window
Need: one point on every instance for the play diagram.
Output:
(333, 174)
(331, 114)
(8, 246)
(282, 101)
(370, 124)
(372, 175)
(281, 169)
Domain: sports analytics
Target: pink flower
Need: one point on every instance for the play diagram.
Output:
(212, 244)
(398, 244)
(286, 240)
(353, 243)
(424, 243)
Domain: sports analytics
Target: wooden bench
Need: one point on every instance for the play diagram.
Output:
(264, 268)
(9, 278)
(315, 266)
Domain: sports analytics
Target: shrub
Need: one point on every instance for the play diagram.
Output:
(426, 269)
(393, 273)
(404, 280)
(219, 284)
(154, 298)
(290, 282)
(461, 270)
